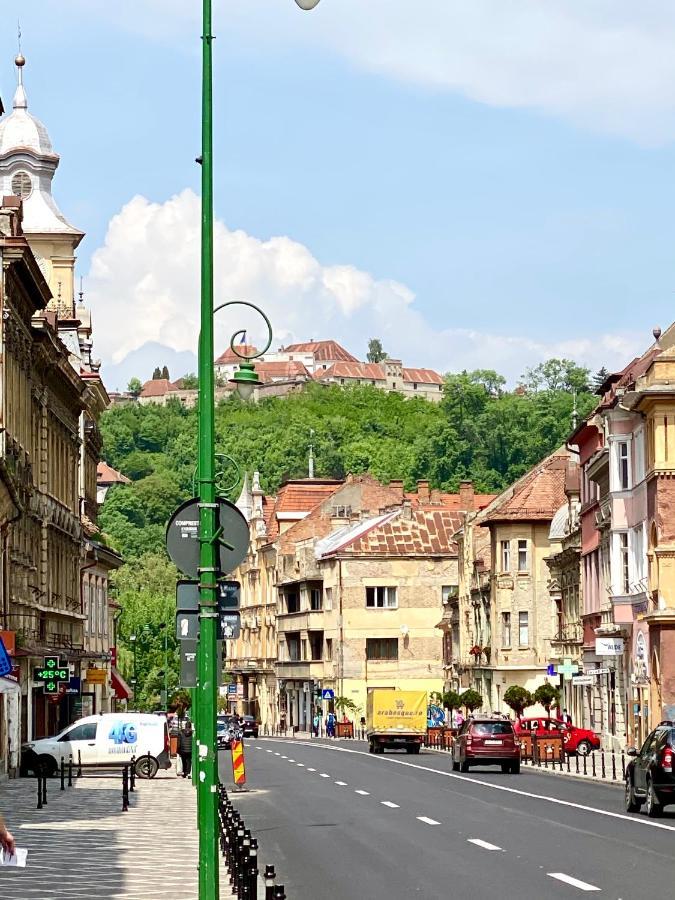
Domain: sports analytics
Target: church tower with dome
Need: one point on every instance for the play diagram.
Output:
(27, 167)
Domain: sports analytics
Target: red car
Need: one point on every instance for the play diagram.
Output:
(576, 740)
(486, 742)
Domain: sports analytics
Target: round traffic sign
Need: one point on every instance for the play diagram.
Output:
(182, 537)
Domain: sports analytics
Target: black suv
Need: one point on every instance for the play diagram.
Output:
(649, 775)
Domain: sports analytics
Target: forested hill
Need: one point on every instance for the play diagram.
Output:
(479, 431)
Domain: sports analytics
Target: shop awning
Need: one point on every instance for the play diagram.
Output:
(121, 688)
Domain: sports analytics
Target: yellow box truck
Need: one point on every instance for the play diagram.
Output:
(396, 719)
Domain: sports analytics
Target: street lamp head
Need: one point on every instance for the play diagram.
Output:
(245, 379)
(307, 4)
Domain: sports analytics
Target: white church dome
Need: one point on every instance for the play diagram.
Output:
(20, 129)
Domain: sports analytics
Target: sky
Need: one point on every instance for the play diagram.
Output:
(481, 184)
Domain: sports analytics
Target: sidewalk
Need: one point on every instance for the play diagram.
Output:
(81, 845)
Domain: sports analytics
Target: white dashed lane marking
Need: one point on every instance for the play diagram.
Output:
(363, 793)
(311, 770)
(291, 760)
(484, 844)
(323, 775)
(390, 804)
(302, 765)
(427, 820)
(341, 783)
(574, 882)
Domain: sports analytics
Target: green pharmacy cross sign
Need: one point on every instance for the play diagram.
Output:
(568, 669)
(52, 675)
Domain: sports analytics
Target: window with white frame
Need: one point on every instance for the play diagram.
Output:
(91, 590)
(624, 562)
(624, 465)
(523, 563)
(523, 629)
(506, 556)
(506, 629)
(329, 598)
(639, 556)
(381, 598)
(85, 599)
(639, 454)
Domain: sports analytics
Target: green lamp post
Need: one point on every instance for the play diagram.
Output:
(206, 768)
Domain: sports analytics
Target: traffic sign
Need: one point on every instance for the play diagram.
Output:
(52, 674)
(327, 694)
(229, 626)
(188, 664)
(182, 537)
(187, 595)
(187, 626)
(232, 688)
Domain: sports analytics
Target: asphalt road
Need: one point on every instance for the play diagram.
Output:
(339, 823)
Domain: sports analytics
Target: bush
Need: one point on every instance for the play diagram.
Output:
(518, 699)
(471, 700)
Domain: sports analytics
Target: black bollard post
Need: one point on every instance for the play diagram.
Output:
(613, 765)
(38, 772)
(44, 788)
(623, 766)
(269, 878)
(79, 764)
(125, 789)
(70, 771)
(585, 772)
(63, 774)
(132, 774)
(602, 763)
(253, 870)
(593, 765)
(279, 892)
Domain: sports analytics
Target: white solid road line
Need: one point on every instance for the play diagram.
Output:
(582, 885)
(484, 844)
(427, 820)
(341, 783)
(390, 804)
(363, 793)
(646, 823)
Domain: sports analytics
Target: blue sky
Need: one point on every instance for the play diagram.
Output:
(482, 185)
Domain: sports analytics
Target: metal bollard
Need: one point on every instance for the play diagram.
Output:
(585, 772)
(593, 765)
(132, 774)
(269, 878)
(568, 762)
(38, 772)
(602, 763)
(253, 870)
(623, 766)
(44, 788)
(125, 789)
(63, 774)
(613, 765)
(70, 771)
(79, 764)
(279, 892)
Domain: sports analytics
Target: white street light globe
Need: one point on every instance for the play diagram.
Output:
(307, 4)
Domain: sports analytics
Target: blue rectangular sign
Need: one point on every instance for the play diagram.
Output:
(232, 689)
(74, 685)
(328, 694)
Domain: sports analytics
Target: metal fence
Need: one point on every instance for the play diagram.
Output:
(70, 770)
(240, 852)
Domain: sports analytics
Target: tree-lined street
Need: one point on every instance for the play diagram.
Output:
(341, 823)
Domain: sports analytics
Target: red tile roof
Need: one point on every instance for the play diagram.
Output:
(299, 496)
(369, 371)
(229, 356)
(157, 387)
(536, 496)
(105, 474)
(323, 350)
(274, 371)
(422, 376)
(426, 532)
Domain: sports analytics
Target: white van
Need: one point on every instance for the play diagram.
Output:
(106, 738)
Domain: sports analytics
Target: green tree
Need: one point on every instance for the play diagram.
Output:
(134, 387)
(599, 378)
(471, 700)
(375, 351)
(157, 373)
(557, 375)
(547, 696)
(451, 700)
(518, 699)
(190, 382)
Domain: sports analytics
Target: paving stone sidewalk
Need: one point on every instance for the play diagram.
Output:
(81, 845)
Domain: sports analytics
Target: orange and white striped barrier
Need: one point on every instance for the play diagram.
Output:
(238, 764)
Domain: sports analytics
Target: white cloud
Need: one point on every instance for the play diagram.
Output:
(606, 65)
(144, 287)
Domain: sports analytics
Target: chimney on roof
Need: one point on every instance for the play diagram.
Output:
(397, 485)
(466, 496)
(423, 492)
(407, 510)
(657, 334)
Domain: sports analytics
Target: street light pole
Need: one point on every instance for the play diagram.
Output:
(206, 769)
(207, 774)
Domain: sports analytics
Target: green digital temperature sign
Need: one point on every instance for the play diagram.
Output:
(52, 675)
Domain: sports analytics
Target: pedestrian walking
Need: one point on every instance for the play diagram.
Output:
(330, 724)
(316, 721)
(185, 748)
(566, 717)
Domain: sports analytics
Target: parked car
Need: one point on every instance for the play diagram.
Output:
(249, 726)
(106, 738)
(576, 740)
(486, 742)
(649, 774)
